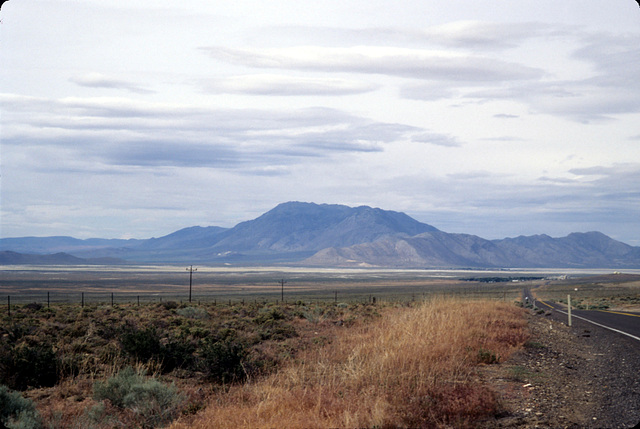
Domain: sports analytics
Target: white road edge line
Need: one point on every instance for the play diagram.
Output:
(602, 326)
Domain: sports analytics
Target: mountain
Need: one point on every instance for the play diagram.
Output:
(61, 244)
(309, 227)
(337, 235)
(443, 250)
(14, 258)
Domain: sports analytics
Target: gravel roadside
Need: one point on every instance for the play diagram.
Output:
(579, 377)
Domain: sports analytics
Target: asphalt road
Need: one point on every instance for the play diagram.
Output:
(622, 322)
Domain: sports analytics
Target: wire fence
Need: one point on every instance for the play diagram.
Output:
(51, 299)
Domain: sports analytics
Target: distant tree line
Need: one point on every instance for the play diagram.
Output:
(500, 279)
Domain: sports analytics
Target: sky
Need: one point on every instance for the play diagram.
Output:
(495, 118)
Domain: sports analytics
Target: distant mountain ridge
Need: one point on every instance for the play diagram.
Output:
(337, 235)
(443, 250)
(8, 257)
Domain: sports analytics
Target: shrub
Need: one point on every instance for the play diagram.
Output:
(169, 305)
(177, 354)
(142, 345)
(277, 332)
(145, 345)
(27, 365)
(269, 316)
(487, 357)
(153, 403)
(16, 411)
(223, 360)
(193, 313)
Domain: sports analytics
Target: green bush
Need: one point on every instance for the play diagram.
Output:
(169, 305)
(17, 412)
(177, 354)
(154, 404)
(25, 365)
(141, 344)
(487, 356)
(145, 345)
(223, 360)
(193, 313)
(269, 316)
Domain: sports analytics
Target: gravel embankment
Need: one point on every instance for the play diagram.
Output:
(578, 377)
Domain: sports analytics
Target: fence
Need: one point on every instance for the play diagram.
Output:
(49, 299)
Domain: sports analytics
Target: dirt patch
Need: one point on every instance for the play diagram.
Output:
(578, 377)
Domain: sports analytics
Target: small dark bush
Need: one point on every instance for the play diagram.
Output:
(269, 316)
(34, 306)
(169, 305)
(223, 361)
(145, 345)
(177, 354)
(26, 365)
(16, 411)
(16, 331)
(487, 356)
(276, 332)
(142, 345)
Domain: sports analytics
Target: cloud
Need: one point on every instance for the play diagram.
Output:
(437, 139)
(264, 84)
(404, 62)
(612, 88)
(466, 34)
(98, 80)
(428, 92)
(122, 132)
(503, 139)
(480, 203)
(488, 35)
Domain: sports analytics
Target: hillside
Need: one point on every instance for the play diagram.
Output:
(443, 250)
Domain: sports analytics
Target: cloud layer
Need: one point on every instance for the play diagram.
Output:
(138, 120)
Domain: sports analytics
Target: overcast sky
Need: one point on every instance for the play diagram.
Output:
(497, 118)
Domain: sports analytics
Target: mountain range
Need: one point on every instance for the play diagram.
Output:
(330, 235)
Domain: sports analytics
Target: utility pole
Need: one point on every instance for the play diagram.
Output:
(191, 270)
(282, 282)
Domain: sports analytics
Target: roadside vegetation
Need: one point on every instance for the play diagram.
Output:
(364, 363)
(411, 367)
(259, 364)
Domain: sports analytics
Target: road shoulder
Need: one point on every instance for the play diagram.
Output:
(582, 376)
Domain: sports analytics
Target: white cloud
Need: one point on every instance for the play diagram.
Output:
(404, 62)
(98, 80)
(264, 84)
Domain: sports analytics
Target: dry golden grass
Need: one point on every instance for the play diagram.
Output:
(411, 368)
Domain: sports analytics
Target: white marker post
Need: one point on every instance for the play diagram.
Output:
(569, 308)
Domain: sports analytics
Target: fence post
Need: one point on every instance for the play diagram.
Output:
(48, 301)
(138, 300)
(569, 308)
(9, 304)
(112, 299)
(82, 301)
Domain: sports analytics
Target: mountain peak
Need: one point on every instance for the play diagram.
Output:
(299, 226)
